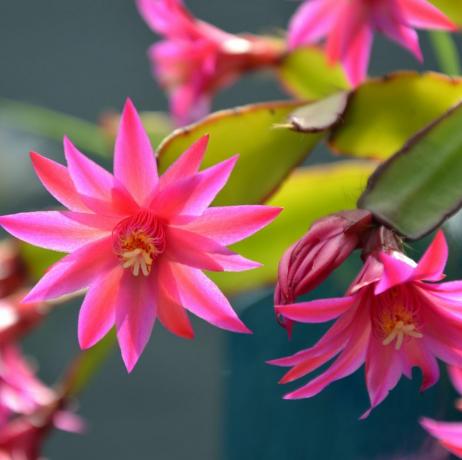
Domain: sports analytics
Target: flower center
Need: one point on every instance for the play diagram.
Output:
(395, 322)
(138, 240)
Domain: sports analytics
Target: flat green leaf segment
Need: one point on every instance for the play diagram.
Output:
(453, 8)
(383, 114)
(306, 73)
(309, 194)
(420, 186)
(267, 153)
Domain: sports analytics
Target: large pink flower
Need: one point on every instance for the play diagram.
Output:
(196, 59)
(138, 242)
(449, 434)
(394, 317)
(349, 25)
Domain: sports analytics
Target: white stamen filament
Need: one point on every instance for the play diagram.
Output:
(136, 260)
(399, 332)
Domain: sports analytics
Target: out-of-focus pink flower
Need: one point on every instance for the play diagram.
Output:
(13, 272)
(137, 241)
(326, 245)
(20, 390)
(449, 434)
(22, 437)
(196, 59)
(394, 317)
(349, 25)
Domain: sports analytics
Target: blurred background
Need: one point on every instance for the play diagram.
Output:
(213, 397)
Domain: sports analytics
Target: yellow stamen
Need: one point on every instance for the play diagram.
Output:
(399, 332)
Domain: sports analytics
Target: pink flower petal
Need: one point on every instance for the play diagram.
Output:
(423, 15)
(449, 434)
(230, 224)
(134, 160)
(383, 371)
(56, 179)
(348, 361)
(67, 421)
(431, 265)
(170, 312)
(97, 313)
(75, 271)
(317, 311)
(135, 316)
(313, 20)
(191, 196)
(234, 262)
(193, 250)
(89, 178)
(201, 296)
(54, 230)
(356, 59)
(395, 272)
(187, 164)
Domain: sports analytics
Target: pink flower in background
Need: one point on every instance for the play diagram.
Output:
(449, 434)
(137, 241)
(326, 245)
(20, 390)
(349, 25)
(196, 59)
(393, 318)
(22, 437)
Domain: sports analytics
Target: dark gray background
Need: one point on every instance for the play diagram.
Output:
(213, 397)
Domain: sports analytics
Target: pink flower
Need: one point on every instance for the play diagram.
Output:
(348, 27)
(196, 59)
(449, 434)
(138, 242)
(394, 317)
(20, 390)
(326, 245)
(22, 437)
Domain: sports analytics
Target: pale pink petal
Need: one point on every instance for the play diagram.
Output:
(54, 230)
(201, 296)
(423, 15)
(56, 179)
(316, 311)
(349, 360)
(89, 178)
(455, 374)
(395, 272)
(187, 164)
(189, 102)
(74, 272)
(383, 371)
(169, 310)
(449, 434)
(68, 421)
(97, 313)
(135, 316)
(134, 160)
(431, 265)
(313, 20)
(230, 224)
(191, 196)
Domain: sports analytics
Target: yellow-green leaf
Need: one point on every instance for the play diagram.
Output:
(453, 8)
(306, 74)
(383, 114)
(267, 154)
(308, 194)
